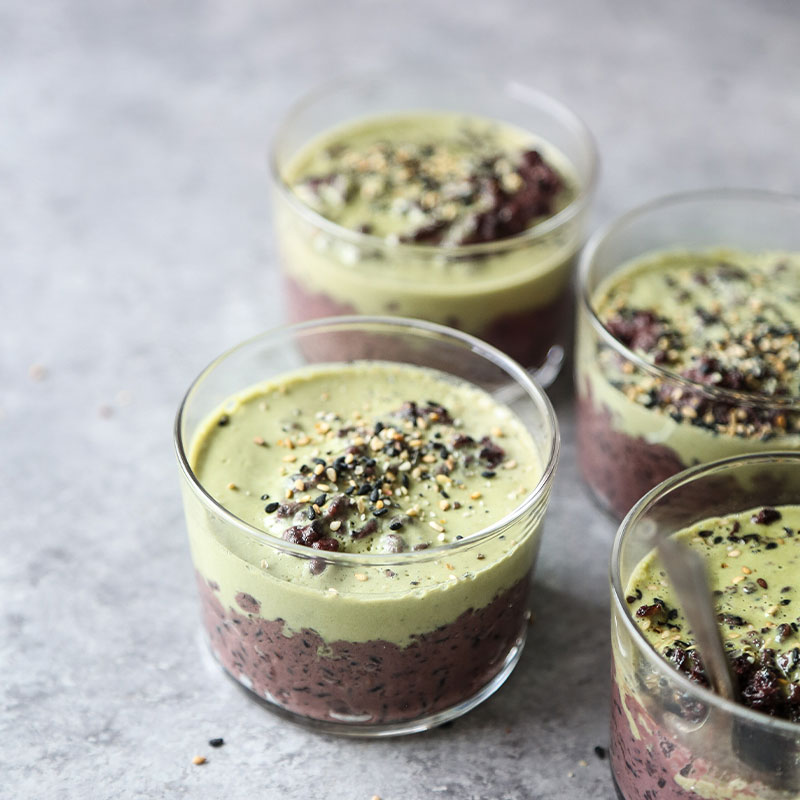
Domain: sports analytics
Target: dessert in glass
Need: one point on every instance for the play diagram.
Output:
(688, 339)
(363, 531)
(672, 737)
(456, 201)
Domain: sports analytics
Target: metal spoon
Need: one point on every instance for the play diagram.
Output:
(687, 573)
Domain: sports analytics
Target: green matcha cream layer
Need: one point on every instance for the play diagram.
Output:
(723, 319)
(753, 560)
(431, 178)
(365, 459)
(395, 199)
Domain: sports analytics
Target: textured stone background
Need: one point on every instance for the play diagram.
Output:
(135, 245)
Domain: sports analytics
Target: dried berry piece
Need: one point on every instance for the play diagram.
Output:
(490, 452)
(766, 516)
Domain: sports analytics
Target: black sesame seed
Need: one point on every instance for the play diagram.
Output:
(487, 473)
(304, 469)
(395, 525)
(770, 545)
(320, 461)
(350, 489)
(270, 507)
(600, 752)
(379, 512)
(311, 514)
(223, 420)
(404, 480)
(320, 501)
(265, 497)
(216, 742)
(378, 427)
(459, 538)
(375, 494)
(365, 488)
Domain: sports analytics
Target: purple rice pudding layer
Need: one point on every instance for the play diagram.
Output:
(526, 336)
(432, 216)
(721, 331)
(377, 681)
(385, 608)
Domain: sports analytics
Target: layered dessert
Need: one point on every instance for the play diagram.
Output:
(666, 743)
(436, 216)
(702, 362)
(363, 591)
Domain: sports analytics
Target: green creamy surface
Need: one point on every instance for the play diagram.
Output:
(723, 318)
(303, 441)
(392, 175)
(755, 579)
(440, 283)
(734, 317)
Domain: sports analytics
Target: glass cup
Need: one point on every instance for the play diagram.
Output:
(671, 738)
(628, 438)
(513, 293)
(372, 657)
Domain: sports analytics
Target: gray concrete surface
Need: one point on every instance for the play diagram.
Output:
(135, 245)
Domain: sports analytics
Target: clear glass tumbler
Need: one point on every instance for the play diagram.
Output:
(672, 739)
(638, 422)
(513, 293)
(369, 656)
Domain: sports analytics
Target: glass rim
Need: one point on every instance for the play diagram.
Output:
(657, 662)
(520, 376)
(597, 239)
(525, 94)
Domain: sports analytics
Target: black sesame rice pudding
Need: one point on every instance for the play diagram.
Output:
(363, 533)
(672, 738)
(450, 208)
(685, 354)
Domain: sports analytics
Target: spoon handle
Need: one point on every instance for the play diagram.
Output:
(687, 573)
